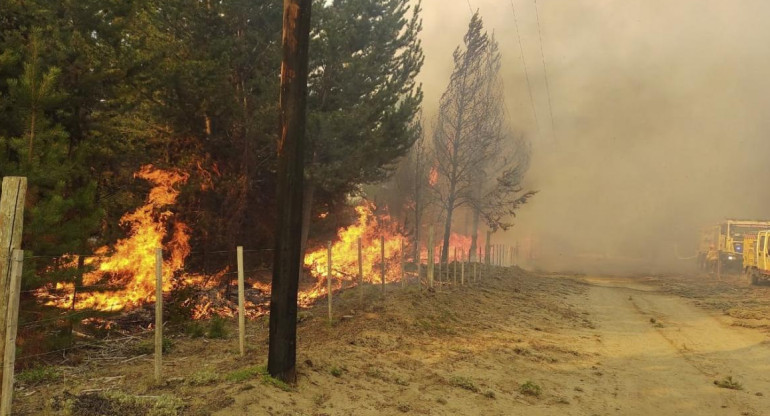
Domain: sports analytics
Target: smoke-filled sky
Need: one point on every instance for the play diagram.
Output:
(659, 108)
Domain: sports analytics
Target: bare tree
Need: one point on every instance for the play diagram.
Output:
(469, 141)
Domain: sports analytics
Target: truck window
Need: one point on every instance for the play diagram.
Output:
(762, 238)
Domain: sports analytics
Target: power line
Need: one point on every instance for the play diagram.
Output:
(545, 71)
(526, 71)
(469, 6)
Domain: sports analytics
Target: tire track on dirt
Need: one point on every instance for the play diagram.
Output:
(667, 365)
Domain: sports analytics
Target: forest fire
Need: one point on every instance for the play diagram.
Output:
(126, 272)
(129, 267)
(371, 229)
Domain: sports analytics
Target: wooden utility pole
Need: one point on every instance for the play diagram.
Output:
(14, 190)
(282, 350)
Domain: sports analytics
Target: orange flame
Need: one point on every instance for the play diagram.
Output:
(370, 229)
(433, 176)
(459, 242)
(131, 266)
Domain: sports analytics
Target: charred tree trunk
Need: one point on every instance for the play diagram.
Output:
(474, 235)
(282, 352)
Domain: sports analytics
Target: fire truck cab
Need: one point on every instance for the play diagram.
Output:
(756, 259)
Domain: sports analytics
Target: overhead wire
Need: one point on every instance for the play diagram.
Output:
(545, 70)
(526, 70)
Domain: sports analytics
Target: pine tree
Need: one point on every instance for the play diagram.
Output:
(363, 97)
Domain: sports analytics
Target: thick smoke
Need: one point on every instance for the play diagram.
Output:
(659, 114)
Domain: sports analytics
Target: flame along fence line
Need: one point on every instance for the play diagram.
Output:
(446, 273)
(437, 275)
(443, 272)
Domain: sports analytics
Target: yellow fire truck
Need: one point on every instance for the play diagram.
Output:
(726, 242)
(756, 256)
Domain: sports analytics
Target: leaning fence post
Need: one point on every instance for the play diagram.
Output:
(241, 303)
(14, 190)
(158, 313)
(11, 325)
(329, 277)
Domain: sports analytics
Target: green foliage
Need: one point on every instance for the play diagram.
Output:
(464, 383)
(530, 389)
(195, 329)
(359, 126)
(216, 328)
(147, 346)
(246, 373)
(38, 375)
(114, 402)
(202, 378)
(257, 371)
(335, 371)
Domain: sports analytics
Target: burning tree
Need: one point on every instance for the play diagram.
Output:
(469, 140)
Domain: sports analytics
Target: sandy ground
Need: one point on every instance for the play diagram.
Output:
(661, 355)
(514, 343)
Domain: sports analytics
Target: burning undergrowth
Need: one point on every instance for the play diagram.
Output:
(121, 278)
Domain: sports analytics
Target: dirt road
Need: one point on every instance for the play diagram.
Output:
(516, 343)
(661, 355)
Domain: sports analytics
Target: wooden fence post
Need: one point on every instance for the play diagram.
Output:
(158, 313)
(462, 269)
(329, 277)
(11, 325)
(241, 303)
(455, 276)
(478, 260)
(431, 258)
(403, 273)
(382, 257)
(360, 275)
(14, 190)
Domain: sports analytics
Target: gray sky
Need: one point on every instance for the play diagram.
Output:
(659, 108)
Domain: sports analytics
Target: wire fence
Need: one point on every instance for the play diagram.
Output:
(65, 307)
(60, 319)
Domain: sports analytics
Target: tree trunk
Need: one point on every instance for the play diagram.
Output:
(447, 231)
(474, 235)
(282, 350)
